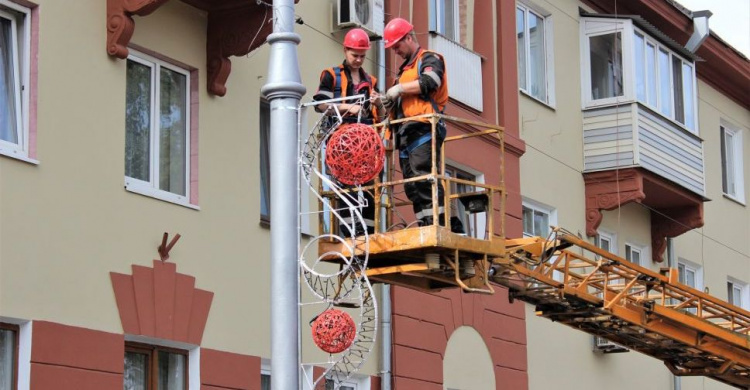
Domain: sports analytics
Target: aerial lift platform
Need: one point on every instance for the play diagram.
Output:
(568, 279)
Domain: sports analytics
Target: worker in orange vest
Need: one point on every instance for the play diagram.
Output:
(349, 79)
(421, 88)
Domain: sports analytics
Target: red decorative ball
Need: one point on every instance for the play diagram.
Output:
(333, 331)
(355, 154)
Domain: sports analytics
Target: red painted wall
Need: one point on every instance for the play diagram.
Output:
(422, 322)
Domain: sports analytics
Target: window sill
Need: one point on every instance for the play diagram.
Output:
(542, 102)
(734, 199)
(17, 156)
(159, 194)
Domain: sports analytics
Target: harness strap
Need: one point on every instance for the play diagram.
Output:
(425, 138)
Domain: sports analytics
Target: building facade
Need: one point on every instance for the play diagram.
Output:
(162, 99)
(636, 143)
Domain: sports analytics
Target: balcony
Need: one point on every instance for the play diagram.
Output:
(464, 71)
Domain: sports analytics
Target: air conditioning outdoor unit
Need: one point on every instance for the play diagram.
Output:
(602, 345)
(367, 14)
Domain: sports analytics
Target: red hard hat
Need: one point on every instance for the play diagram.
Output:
(357, 39)
(395, 30)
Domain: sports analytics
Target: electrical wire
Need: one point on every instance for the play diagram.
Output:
(553, 158)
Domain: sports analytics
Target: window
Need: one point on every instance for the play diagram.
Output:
(621, 64)
(474, 223)
(537, 219)
(265, 162)
(534, 53)
(8, 356)
(157, 129)
(444, 18)
(15, 31)
(607, 242)
(605, 56)
(265, 379)
(150, 367)
(738, 293)
(331, 385)
(664, 84)
(633, 254)
(690, 274)
(732, 174)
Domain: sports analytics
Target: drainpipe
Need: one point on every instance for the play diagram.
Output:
(672, 263)
(385, 289)
(284, 90)
(700, 30)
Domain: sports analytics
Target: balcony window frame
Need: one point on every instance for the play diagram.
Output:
(596, 26)
(438, 23)
(548, 53)
(151, 187)
(732, 170)
(20, 30)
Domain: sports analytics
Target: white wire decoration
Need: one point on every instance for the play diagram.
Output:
(348, 287)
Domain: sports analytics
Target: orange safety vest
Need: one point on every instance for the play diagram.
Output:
(413, 105)
(340, 85)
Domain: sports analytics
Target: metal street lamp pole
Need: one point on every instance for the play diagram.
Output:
(284, 90)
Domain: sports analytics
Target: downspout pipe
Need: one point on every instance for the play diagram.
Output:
(386, 351)
(700, 30)
(284, 90)
(672, 263)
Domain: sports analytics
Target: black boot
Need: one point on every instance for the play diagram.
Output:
(457, 226)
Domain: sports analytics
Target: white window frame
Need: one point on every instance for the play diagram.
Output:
(608, 236)
(744, 292)
(21, 41)
(737, 168)
(549, 57)
(591, 27)
(633, 248)
(151, 188)
(437, 19)
(647, 39)
(265, 367)
(542, 208)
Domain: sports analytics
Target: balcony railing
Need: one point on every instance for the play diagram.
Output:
(632, 135)
(464, 71)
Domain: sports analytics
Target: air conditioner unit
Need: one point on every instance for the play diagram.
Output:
(602, 345)
(367, 14)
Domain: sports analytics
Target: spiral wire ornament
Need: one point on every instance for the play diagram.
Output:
(344, 292)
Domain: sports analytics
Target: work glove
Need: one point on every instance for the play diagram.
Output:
(388, 104)
(394, 92)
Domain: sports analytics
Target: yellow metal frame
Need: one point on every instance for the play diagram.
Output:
(600, 293)
(391, 250)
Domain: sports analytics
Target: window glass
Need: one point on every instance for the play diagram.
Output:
(265, 165)
(665, 88)
(727, 149)
(138, 121)
(687, 89)
(606, 65)
(651, 75)
(171, 371)
(734, 294)
(265, 382)
(173, 135)
(136, 371)
(535, 222)
(640, 68)
(9, 126)
(7, 358)
(521, 36)
(537, 68)
(679, 103)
